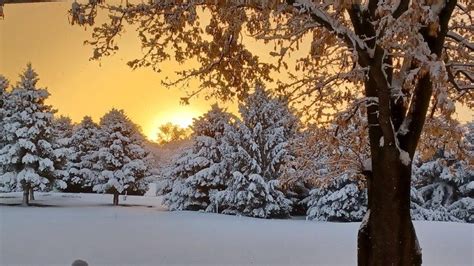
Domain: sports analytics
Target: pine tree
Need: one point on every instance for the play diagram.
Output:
(4, 84)
(343, 199)
(260, 151)
(204, 167)
(3, 95)
(444, 184)
(326, 154)
(83, 162)
(122, 159)
(267, 127)
(62, 143)
(29, 154)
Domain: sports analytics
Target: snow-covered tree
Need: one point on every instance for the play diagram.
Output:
(326, 153)
(251, 195)
(122, 157)
(268, 125)
(402, 56)
(260, 151)
(82, 165)
(343, 199)
(63, 127)
(29, 156)
(203, 167)
(62, 133)
(442, 171)
(4, 83)
(170, 132)
(419, 212)
(444, 183)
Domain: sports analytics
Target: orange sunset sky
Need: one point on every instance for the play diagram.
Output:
(41, 34)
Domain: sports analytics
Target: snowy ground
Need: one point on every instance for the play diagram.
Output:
(65, 227)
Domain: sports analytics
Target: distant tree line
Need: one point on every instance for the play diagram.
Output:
(39, 151)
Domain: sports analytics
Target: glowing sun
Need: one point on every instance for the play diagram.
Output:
(182, 117)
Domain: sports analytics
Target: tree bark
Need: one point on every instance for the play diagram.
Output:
(387, 237)
(26, 201)
(31, 194)
(116, 198)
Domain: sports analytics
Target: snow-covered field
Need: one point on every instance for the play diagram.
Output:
(65, 227)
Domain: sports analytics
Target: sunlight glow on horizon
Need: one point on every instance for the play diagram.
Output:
(183, 118)
(80, 87)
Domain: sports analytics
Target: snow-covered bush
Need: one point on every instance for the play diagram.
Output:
(341, 200)
(122, 157)
(444, 184)
(422, 213)
(251, 195)
(29, 154)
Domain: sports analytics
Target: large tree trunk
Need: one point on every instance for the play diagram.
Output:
(116, 198)
(387, 235)
(26, 201)
(32, 194)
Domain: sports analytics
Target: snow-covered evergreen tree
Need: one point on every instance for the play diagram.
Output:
(62, 143)
(251, 195)
(4, 83)
(343, 199)
(267, 127)
(260, 151)
(122, 158)
(203, 167)
(63, 128)
(444, 185)
(82, 165)
(3, 95)
(419, 212)
(333, 161)
(29, 154)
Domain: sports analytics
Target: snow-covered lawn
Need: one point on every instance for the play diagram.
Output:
(141, 232)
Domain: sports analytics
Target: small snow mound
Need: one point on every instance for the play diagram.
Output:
(405, 157)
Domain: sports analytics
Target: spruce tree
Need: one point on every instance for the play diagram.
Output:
(62, 143)
(444, 187)
(260, 150)
(122, 157)
(205, 166)
(4, 84)
(29, 154)
(268, 125)
(3, 95)
(83, 162)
